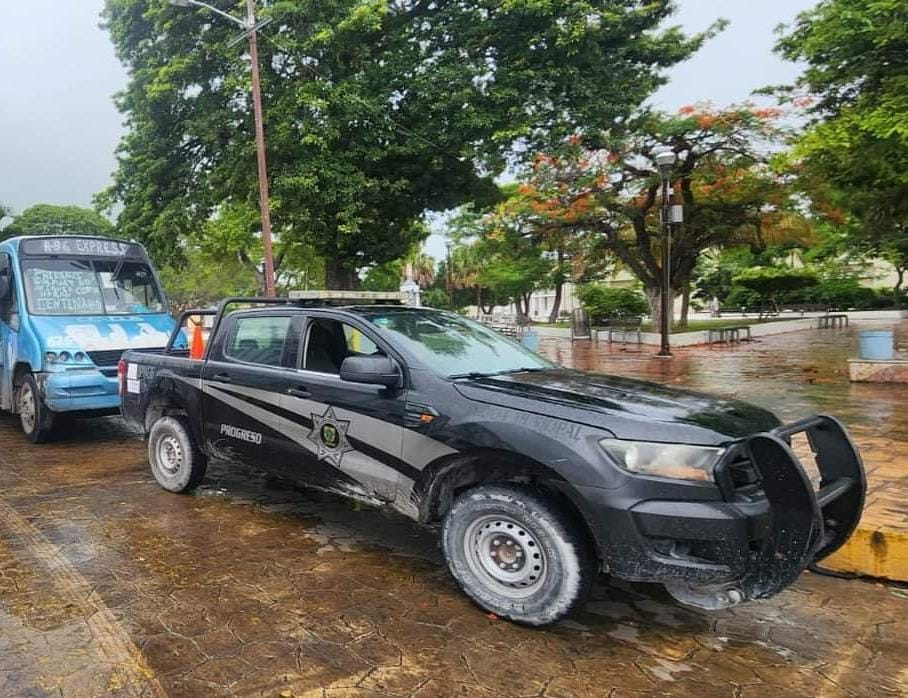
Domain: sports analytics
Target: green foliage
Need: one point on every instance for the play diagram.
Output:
(855, 153)
(771, 283)
(374, 112)
(842, 293)
(383, 277)
(604, 302)
(46, 219)
(741, 297)
(713, 276)
(204, 278)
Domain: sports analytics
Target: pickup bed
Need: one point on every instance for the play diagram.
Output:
(541, 477)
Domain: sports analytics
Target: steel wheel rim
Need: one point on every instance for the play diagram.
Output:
(27, 408)
(169, 455)
(505, 556)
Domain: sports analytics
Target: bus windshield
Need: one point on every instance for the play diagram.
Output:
(90, 287)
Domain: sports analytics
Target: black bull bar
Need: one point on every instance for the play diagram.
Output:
(804, 525)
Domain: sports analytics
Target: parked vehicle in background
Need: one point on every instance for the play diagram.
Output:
(541, 476)
(69, 307)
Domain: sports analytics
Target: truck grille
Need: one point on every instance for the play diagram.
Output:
(110, 357)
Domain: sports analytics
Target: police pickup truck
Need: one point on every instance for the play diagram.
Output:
(541, 477)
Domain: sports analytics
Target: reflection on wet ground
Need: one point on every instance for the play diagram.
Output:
(109, 585)
(793, 374)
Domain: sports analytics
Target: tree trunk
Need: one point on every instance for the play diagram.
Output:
(898, 285)
(654, 296)
(338, 277)
(685, 305)
(556, 305)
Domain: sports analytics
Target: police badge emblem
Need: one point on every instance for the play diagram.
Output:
(330, 435)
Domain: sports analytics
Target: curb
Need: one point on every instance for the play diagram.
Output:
(872, 552)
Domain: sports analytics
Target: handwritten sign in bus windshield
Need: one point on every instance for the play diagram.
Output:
(64, 292)
(81, 247)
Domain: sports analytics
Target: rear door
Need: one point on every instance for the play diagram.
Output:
(250, 365)
(351, 434)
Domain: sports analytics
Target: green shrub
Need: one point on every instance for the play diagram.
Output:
(842, 293)
(741, 297)
(777, 284)
(604, 302)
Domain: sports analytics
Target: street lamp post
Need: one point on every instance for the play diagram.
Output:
(250, 29)
(449, 275)
(666, 161)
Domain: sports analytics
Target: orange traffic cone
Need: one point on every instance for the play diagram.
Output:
(197, 348)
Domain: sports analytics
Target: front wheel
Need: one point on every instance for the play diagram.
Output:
(37, 421)
(516, 553)
(176, 463)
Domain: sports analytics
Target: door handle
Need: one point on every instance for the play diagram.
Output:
(299, 392)
(221, 377)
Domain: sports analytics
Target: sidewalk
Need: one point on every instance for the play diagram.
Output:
(794, 375)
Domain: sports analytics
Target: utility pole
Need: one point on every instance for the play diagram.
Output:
(264, 194)
(250, 30)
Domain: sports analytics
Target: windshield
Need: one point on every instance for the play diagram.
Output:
(90, 287)
(453, 346)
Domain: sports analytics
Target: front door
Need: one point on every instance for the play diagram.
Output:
(353, 432)
(248, 369)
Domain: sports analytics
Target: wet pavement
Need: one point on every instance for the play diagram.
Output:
(110, 585)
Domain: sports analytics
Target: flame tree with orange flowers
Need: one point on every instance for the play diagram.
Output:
(599, 196)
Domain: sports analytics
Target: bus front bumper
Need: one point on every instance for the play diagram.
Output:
(79, 390)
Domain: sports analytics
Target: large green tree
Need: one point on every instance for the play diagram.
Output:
(607, 190)
(375, 111)
(46, 219)
(854, 152)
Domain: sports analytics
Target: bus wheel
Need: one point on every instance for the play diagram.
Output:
(37, 421)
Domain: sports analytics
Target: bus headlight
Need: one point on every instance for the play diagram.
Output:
(676, 461)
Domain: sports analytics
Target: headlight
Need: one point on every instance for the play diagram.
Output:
(677, 461)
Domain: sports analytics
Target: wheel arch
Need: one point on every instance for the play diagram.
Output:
(443, 479)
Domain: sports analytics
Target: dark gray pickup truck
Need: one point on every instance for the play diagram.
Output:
(541, 477)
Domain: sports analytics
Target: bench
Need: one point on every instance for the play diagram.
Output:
(832, 321)
(729, 335)
(621, 327)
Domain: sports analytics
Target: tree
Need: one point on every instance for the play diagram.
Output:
(855, 89)
(374, 112)
(608, 190)
(45, 219)
(771, 282)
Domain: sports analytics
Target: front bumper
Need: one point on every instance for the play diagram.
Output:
(750, 535)
(79, 390)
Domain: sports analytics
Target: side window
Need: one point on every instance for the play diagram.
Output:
(10, 305)
(329, 342)
(258, 340)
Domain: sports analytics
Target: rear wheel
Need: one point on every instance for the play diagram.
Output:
(176, 463)
(37, 421)
(516, 553)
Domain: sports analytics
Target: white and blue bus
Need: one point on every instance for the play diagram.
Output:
(69, 307)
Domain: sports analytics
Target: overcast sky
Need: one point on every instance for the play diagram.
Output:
(58, 74)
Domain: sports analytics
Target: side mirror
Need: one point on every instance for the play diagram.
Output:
(373, 370)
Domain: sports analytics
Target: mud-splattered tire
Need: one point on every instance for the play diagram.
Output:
(518, 554)
(176, 463)
(37, 421)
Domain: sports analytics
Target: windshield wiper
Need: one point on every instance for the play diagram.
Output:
(490, 374)
(473, 374)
